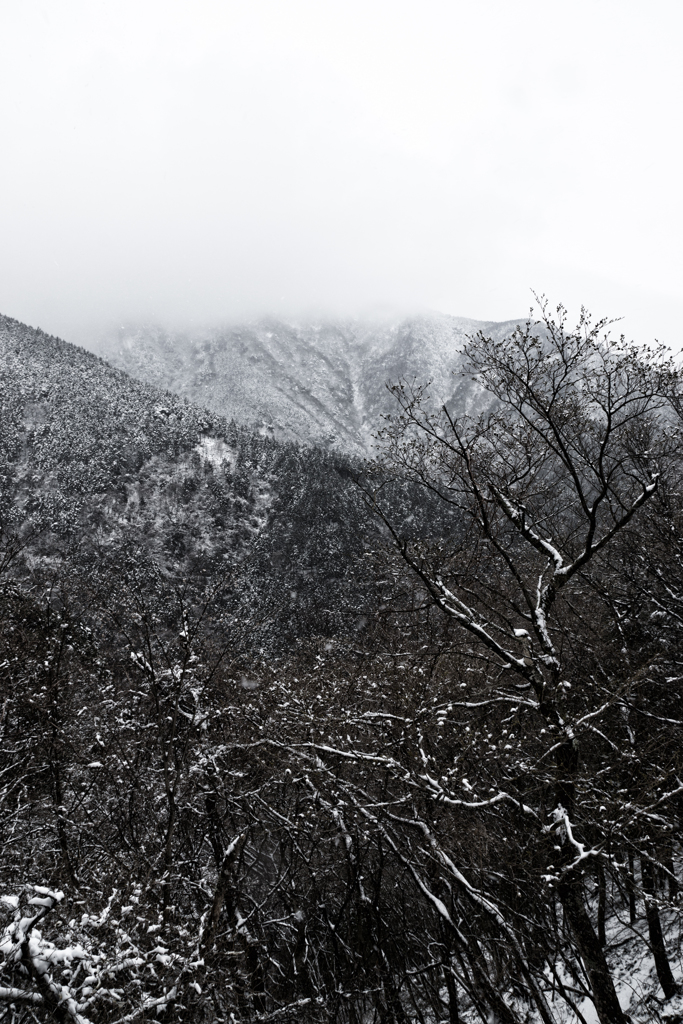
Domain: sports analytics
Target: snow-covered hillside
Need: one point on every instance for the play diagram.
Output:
(322, 382)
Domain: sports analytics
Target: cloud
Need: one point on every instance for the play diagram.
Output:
(193, 162)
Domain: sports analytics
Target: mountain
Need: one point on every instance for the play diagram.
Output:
(322, 382)
(99, 471)
(98, 467)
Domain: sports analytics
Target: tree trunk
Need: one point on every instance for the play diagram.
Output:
(571, 897)
(226, 890)
(452, 989)
(654, 927)
(214, 823)
(394, 1004)
(490, 994)
(668, 861)
(58, 799)
(300, 973)
(602, 903)
(631, 885)
(604, 996)
(255, 975)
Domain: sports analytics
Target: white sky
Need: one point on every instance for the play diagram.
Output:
(205, 160)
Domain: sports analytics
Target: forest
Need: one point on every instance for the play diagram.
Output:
(290, 736)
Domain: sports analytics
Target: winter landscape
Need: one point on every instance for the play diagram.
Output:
(341, 529)
(367, 709)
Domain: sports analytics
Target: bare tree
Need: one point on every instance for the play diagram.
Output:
(572, 447)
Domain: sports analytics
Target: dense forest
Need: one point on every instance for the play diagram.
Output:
(291, 737)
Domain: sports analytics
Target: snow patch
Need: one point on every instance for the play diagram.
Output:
(215, 451)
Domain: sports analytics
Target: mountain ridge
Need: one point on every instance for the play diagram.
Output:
(318, 381)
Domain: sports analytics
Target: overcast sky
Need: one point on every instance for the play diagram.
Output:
(208, 160)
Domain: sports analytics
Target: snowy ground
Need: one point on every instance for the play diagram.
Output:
(633, 972)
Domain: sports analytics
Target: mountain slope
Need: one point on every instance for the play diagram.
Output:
(97, 468)
(320, 382)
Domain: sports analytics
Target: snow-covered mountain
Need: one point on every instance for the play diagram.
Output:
(322, 382)
(94, 464)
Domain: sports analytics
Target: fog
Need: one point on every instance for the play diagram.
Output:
(193, 162)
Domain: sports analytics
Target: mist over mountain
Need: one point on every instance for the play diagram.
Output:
(322, 382)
